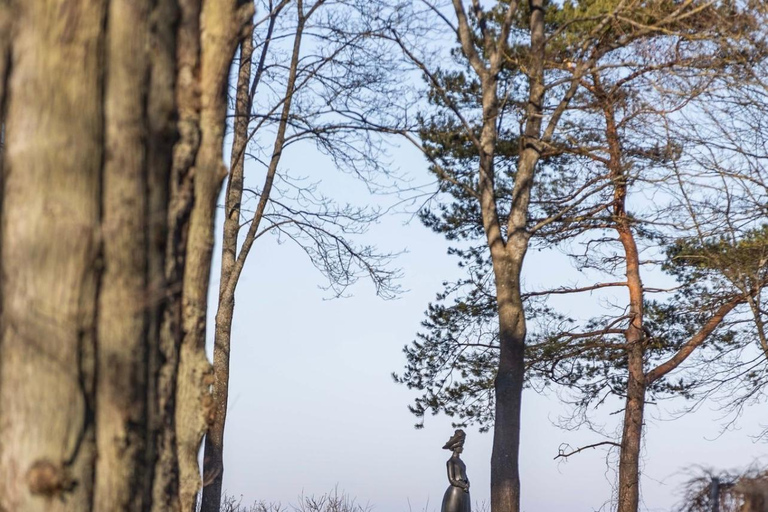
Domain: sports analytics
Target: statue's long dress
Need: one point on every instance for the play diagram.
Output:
(455, 498)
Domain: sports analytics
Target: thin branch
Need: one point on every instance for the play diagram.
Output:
(565, 455)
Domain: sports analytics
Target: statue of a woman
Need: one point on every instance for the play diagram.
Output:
(456, 498)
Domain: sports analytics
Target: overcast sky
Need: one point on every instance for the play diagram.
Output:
(313, 405)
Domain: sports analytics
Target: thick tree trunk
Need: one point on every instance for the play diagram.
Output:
(508, 386)
(92, 322)
(83, 220)
(50, 256)
(213, 465)
(508, 263)
(167, 212)
(122, 404)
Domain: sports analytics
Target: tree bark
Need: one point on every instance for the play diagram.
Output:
(94, 262)
(632, 433)
(508, 386)
(50, 256)
(213, 465)
(631, 439)
(221, 23)
(167, 214)
(122, 404)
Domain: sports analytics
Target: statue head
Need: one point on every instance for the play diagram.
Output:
(456, 442)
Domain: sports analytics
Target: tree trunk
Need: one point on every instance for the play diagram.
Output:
(631, 439)
(121, 410)
(505, 472)
(50, 256)
(213, 459)
(508, 386)
(92, 322)
(83, 219)
(221, 23)
(170, 197)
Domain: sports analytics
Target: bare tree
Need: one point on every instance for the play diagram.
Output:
(308, 73)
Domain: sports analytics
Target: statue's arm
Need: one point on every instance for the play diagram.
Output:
(454, 478)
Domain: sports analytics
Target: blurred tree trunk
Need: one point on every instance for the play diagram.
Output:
(55, 117)
(106, 241)
(82, 283)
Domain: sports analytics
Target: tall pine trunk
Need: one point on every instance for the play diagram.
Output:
(631, 439)
(508, 386)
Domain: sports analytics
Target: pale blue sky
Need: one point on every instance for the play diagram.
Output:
(313, 405)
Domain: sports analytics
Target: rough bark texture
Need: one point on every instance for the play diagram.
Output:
(164, 245)
(50, 261)
(213, 458)
(124, 299)
(505, 473)
(187, 356)
(221, 23)
(93, 261)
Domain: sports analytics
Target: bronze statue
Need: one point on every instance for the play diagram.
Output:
(456, 498)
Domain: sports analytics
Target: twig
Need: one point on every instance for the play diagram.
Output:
(565, 455)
